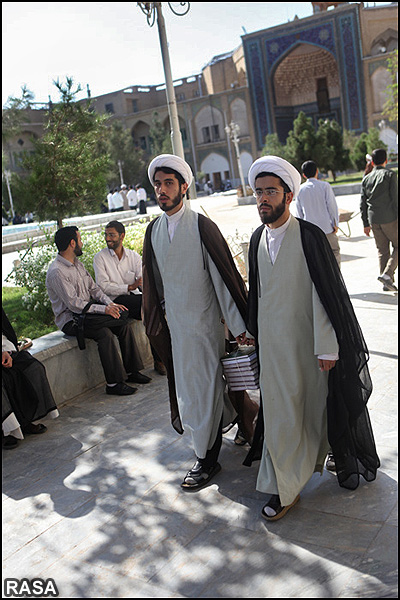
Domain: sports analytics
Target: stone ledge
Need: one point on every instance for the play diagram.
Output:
(72, 371)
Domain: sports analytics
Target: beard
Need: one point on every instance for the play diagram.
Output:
(113, 245)
(274, 214)
(78, 251)
(173, 202)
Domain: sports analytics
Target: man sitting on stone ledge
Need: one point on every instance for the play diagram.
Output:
(118, 272)
(26, 393)
(71, 288)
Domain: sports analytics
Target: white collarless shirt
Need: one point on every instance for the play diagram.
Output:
(173, 221)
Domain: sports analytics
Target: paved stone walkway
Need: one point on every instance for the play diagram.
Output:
(95, 503)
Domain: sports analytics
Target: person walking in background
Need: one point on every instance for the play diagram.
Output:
(141, 199)
(124, 193)
(110, 203)
(379, 213)
(117, 201)
(317, 204)
(132, 198)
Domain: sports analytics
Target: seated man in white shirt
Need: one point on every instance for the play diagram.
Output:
(317, 204)
(118, 272)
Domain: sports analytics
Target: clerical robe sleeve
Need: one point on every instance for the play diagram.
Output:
(325, 341)
(230, 312)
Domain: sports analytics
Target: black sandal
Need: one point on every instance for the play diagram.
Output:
(280, 511)
(199, 476)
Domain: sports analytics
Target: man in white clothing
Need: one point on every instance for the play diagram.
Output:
(317, 204)
(132, 197)
(117, 200)
(110, 201)
(118, 272)
(141, 199)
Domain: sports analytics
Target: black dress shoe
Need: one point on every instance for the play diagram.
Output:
(121, 389)
(31, 428)
(138, 378)
(9, 442)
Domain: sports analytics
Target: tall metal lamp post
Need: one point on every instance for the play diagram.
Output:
(7, 175)
(151, 9)
(233, 131)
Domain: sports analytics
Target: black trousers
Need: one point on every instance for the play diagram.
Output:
(212, 454)
(25, 389)
(106, 331)
(133, 303)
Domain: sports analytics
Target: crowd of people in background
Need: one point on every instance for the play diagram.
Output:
(124, 198)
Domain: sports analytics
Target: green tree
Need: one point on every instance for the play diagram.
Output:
(302, 143)
(391, 107)
(332, 154)
(273, 146)
(366, 143)
(160, 139)
(121, 148)
(14, 114)
(67, 171)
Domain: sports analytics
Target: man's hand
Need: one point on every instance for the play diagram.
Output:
(243, 340)
(367, 231)
(137, 283)
(326, 365)
(114, 310)
(6, 360)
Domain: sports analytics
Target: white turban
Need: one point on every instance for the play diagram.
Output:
(172, 162)
(278, 166)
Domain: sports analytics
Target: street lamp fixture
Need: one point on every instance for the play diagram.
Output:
(151, 9)
(232, 131)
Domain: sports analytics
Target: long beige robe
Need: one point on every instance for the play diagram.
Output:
(293, 329)
(196, 299)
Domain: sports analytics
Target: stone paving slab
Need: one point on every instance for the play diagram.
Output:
(96, 502)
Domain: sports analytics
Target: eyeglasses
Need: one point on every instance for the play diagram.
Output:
(113, 236)
(269, 192)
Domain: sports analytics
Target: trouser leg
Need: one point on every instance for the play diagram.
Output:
(133, 303)
(390, 230)
(212, 454)
(129, 350)
(334, 244)
(384, 235)
(101, 329)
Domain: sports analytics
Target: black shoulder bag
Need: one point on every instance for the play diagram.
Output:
(80, 322)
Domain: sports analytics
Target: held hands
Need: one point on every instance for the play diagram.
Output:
(243, 340)
(114, 310)
(6, 360)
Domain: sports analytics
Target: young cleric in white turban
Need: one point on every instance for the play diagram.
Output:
(189, 283)
(314, 379)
